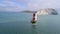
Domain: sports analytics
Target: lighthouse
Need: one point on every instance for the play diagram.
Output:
(34, 19)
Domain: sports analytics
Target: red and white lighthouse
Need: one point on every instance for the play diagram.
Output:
(34, 19)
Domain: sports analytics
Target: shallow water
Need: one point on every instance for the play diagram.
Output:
(19, 23)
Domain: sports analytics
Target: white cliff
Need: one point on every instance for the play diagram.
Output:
(48, 11)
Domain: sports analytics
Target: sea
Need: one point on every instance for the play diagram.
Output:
(20, 23)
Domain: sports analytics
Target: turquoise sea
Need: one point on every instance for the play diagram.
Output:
(20, 23)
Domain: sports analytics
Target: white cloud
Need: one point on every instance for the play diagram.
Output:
(38, 4)
(30, 5)
(9, 6)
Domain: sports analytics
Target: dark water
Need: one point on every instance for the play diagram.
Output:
(19, 23)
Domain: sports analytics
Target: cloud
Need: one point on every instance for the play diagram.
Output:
(10, 6)
(28, 5)
(38, 4)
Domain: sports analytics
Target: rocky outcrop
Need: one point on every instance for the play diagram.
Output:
(48, 11)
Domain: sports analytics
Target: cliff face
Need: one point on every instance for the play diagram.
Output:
(53, 11)
(48, 11)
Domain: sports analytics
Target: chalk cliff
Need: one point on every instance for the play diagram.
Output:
(48, 11)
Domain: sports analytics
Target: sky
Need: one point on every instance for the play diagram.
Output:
(20, 5)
